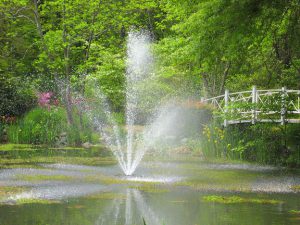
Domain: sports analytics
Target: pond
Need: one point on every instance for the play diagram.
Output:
(169, 192)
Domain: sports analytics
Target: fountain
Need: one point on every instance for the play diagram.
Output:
(130, 142)
(139, 67)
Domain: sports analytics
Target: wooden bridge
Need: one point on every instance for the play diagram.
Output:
(268, 106)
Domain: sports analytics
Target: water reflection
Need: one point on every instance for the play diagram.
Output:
(131, 209)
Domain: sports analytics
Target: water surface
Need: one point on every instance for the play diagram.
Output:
(168, 192)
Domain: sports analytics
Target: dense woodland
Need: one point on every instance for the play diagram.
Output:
(201, 47)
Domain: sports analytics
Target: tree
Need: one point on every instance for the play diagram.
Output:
(229, 43)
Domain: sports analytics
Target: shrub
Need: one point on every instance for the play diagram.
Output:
(264, 143)
(16, 98)
(39, 126)
(44, 126)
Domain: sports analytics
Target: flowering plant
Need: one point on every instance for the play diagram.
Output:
(45, 99)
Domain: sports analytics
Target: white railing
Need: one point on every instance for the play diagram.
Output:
(273, 105)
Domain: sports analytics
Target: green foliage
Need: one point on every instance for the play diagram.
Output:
(264, 143)
(15, 97)
(233, 44)
(211, 139)
(44, 126)
(109, 76)
(39, 126)
(119, 118)
(201, 48)
(195, 145)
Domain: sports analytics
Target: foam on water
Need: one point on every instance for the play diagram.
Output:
(158, 179)
(58, 192)
(248, 167)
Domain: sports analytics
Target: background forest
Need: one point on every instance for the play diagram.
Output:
(201, 47)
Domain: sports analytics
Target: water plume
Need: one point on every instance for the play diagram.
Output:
(127, 150)
(139, 64)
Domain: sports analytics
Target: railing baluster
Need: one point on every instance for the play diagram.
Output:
(283, 105)
(254, 102)
(226, 98)
(298, 102)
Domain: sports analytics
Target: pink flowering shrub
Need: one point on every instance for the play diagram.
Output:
(45, 99)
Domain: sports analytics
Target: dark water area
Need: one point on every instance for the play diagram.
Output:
(175, 207)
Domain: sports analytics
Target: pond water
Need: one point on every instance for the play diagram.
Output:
(185, 192)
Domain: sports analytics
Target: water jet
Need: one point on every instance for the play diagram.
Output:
(128, 149)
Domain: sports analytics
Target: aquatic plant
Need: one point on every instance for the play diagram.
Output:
(36, 201)
(296, 188)
(45, 177)
(238, 199)
(293, 211)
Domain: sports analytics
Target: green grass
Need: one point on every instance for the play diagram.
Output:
(93, 161)
(237, 199)
(18, 147)
(13, 147)
(67, 148)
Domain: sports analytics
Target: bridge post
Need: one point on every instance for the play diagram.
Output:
(283, 105)
(226, 100)
(254, 102)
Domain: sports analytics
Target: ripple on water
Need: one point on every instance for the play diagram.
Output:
(248, 167)
(275, 184)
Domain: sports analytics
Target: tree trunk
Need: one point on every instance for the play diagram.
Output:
(68, 97)
(223, 79)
